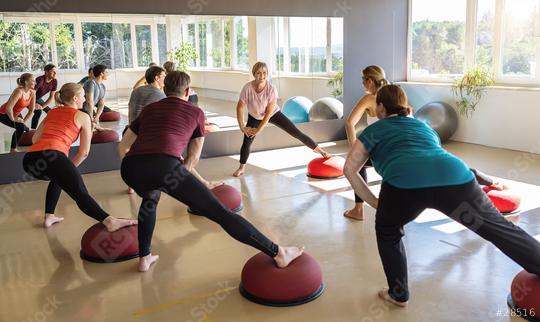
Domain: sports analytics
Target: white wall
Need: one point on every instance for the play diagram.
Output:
(504, 118)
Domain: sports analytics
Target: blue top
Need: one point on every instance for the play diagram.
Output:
(407, 153)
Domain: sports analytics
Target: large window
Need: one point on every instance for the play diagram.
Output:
(450, 36)
(64, 35)
(438, 38)
(122, 55)
(24, 46)
(221, 42)
(308, 45)
(144, 45)
(162, 42)
(241, 37)
(77, 42)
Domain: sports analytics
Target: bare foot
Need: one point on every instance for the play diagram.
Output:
(357, 213)
(113, 224)
(513, 218)
(212, 184)
(130, 191)
(239, 171)
(51, 219)
(287, 254)
(147, 261)
(383, 294)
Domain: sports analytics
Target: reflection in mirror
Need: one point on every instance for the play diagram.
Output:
(304, 57)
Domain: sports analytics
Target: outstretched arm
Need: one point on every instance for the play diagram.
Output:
(355, 161)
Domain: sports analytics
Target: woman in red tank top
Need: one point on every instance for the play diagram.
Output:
(10, 112)
(47, 159)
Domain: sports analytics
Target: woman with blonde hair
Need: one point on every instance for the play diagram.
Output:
(47, 159)
(10, 112)
(260, 97)
(373, 78)
(418, 174)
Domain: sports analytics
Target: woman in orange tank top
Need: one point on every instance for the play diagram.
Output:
(47, 159)
(21, 98)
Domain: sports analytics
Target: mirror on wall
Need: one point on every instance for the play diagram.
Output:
(304, 57)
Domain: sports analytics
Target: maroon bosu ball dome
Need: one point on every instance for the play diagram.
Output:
(111, 116)
(326, 168)
(104, 136)
(228, 196)
(506, 200)
(26, 138)
(524, 297)
(264, 283)
(100, 246)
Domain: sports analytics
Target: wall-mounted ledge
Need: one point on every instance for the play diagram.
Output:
(104, 157)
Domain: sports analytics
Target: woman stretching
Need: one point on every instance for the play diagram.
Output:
(373, 78)
(47, 159)
(418, 174)
(21, 98)
(156, 140)
(261, 97)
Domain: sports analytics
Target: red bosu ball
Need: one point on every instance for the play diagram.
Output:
(228, 196)
(111, 116)
(506, 200)
(26, 138)
(100, 246)
(104, 136)
(264, 283)
(326, 168)
(524, 297)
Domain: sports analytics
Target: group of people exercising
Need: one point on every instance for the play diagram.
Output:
(417, 173)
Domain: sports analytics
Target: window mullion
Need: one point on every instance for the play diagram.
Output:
(79, 46)
(498, 39)
(133, 38)
(470, 34)
(54, 53)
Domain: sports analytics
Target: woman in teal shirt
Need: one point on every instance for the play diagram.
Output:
(418, 174)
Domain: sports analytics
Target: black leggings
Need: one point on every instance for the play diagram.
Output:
(481, 177)
(20, 128)
(56, 167)
(150, 174)
(281, 121)
(466, 204)
(37, 114)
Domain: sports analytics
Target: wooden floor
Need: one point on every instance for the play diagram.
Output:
(454, 275)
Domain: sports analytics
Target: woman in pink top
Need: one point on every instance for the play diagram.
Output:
(260, 97)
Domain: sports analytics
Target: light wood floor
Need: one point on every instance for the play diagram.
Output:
(454, 275)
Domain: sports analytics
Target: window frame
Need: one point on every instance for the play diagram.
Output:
(470, 49)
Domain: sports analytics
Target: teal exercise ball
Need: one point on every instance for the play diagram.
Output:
(297, 109)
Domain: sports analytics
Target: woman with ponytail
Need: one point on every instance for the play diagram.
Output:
(418, 174)
(48, 159)
(21, 98)
(373, 78)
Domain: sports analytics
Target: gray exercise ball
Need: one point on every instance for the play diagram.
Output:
(441, 117)
(326, 108)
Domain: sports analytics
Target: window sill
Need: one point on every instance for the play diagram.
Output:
(532, 88)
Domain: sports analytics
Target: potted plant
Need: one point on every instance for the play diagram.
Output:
(183, 55)
(470, 88)
(336, 83)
